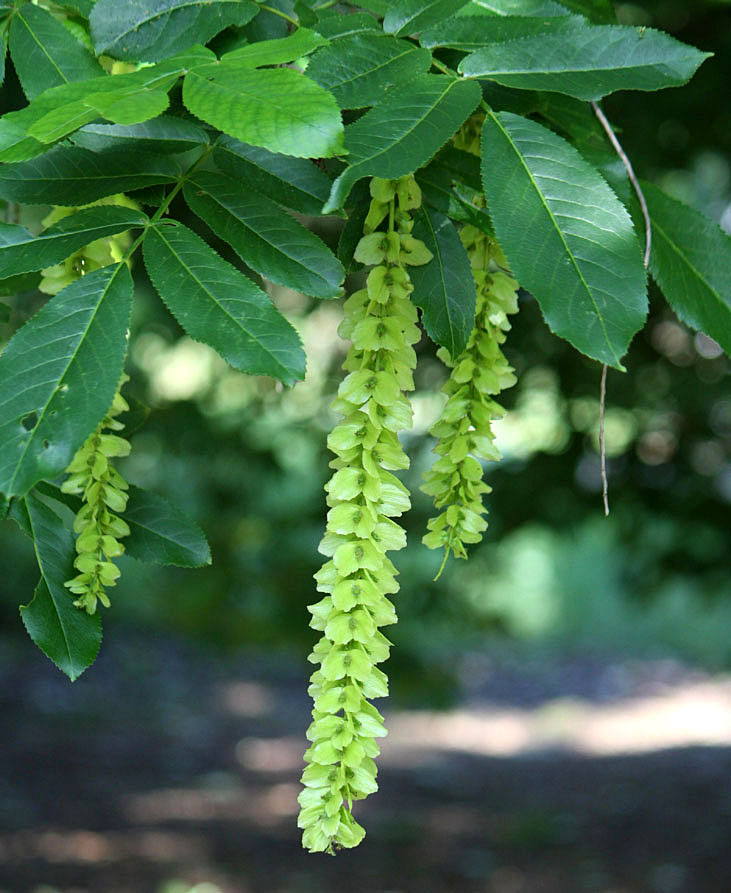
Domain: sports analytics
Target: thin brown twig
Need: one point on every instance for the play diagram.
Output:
(648, 246)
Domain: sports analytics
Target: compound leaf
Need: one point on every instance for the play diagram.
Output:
(20, 252)
(567, 237)
(403, 131)
(264, 236)
(59, 374)
(218, 305)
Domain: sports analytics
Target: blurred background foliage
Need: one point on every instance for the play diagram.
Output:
(248, 459)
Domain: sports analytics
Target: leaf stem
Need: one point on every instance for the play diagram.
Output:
(278, 12)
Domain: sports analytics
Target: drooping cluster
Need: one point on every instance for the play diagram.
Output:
(464, 428)
(103, 491)
(97, 254)
(364, 496)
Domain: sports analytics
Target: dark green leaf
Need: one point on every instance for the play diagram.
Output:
(403, 131)
(149, 30)
(691, 262)
(600, 11)
(357, 70)
(352, 231)
(296, 183)
(452, 198)
(218, 305)
(338, 25)
(276, 108)
(266, 238)
(515, 8)
(46, 54)
(83, 7)
(567, 237)
(412, 16)
(470, 33)
(3, 50)
(445, 287)
(20, 252)
(75, 176)
(165, 135)
(59, 374)
(67, 635)
(275, 52)
(160, 533)
(588, 62)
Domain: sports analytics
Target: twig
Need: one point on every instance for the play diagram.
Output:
(648, 246)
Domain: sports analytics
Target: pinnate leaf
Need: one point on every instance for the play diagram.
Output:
(275, 52)
(160, 533)
(412, 16)
(691, 262)
(567, 237)
(59, 374)
(470, 33)
(74, 176)
(403, 131)
(357, 70)
(67, 635)
(445, 287)
(20, 252)
(218, 305)
(149, 30)
(276, 108)
(587, 61)
(164, 134)
(45, 54)
(296, 183)
(266, 238)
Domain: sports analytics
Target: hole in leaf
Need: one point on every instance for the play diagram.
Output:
(30, 421)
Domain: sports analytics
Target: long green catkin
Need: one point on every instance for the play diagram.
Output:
(364, 496)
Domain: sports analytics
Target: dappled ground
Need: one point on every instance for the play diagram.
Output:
(165, 764)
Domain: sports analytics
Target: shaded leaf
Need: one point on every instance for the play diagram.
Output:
(691, 262)
(514, 8)
(160, 533)
(266, 238)
(296, 183)
(357, 70)
(150, 30)
(20, 252)
(338, 25)
(412, 16)
(59, 374)
(70, 637)
(75, 176)
(164, 134)
(567, 237)
(470, 33)
(404, 131)
(445, 287)
(45, 53)
(276, 108)
(588, 61)
(218, 305)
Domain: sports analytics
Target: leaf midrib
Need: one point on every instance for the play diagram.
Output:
(678, 251)
(164, 12)
(41, 46)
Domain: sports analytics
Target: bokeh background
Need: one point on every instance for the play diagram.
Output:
(561, 710)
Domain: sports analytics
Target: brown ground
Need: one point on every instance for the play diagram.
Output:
(162, 764)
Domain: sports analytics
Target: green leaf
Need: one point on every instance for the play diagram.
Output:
(3, 50)
(67, 635)
(59, 374)
(567, 237)
(20, 252)
(83, 7)
(264, 236)
(357, 70)
(445, 287)
(149, 30)
(453, 198)
(276, 108)
(469, 33)
(600, 11)
(403, 131)
(296, 183)
(45, 53)
(164, 135)
(218, 305)
(412, 16)
(121, 98)
(332, 25)
(514, 8)
(588, 62)
(275, 52)
(691, 262)
(160, 533)
(75, 176)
